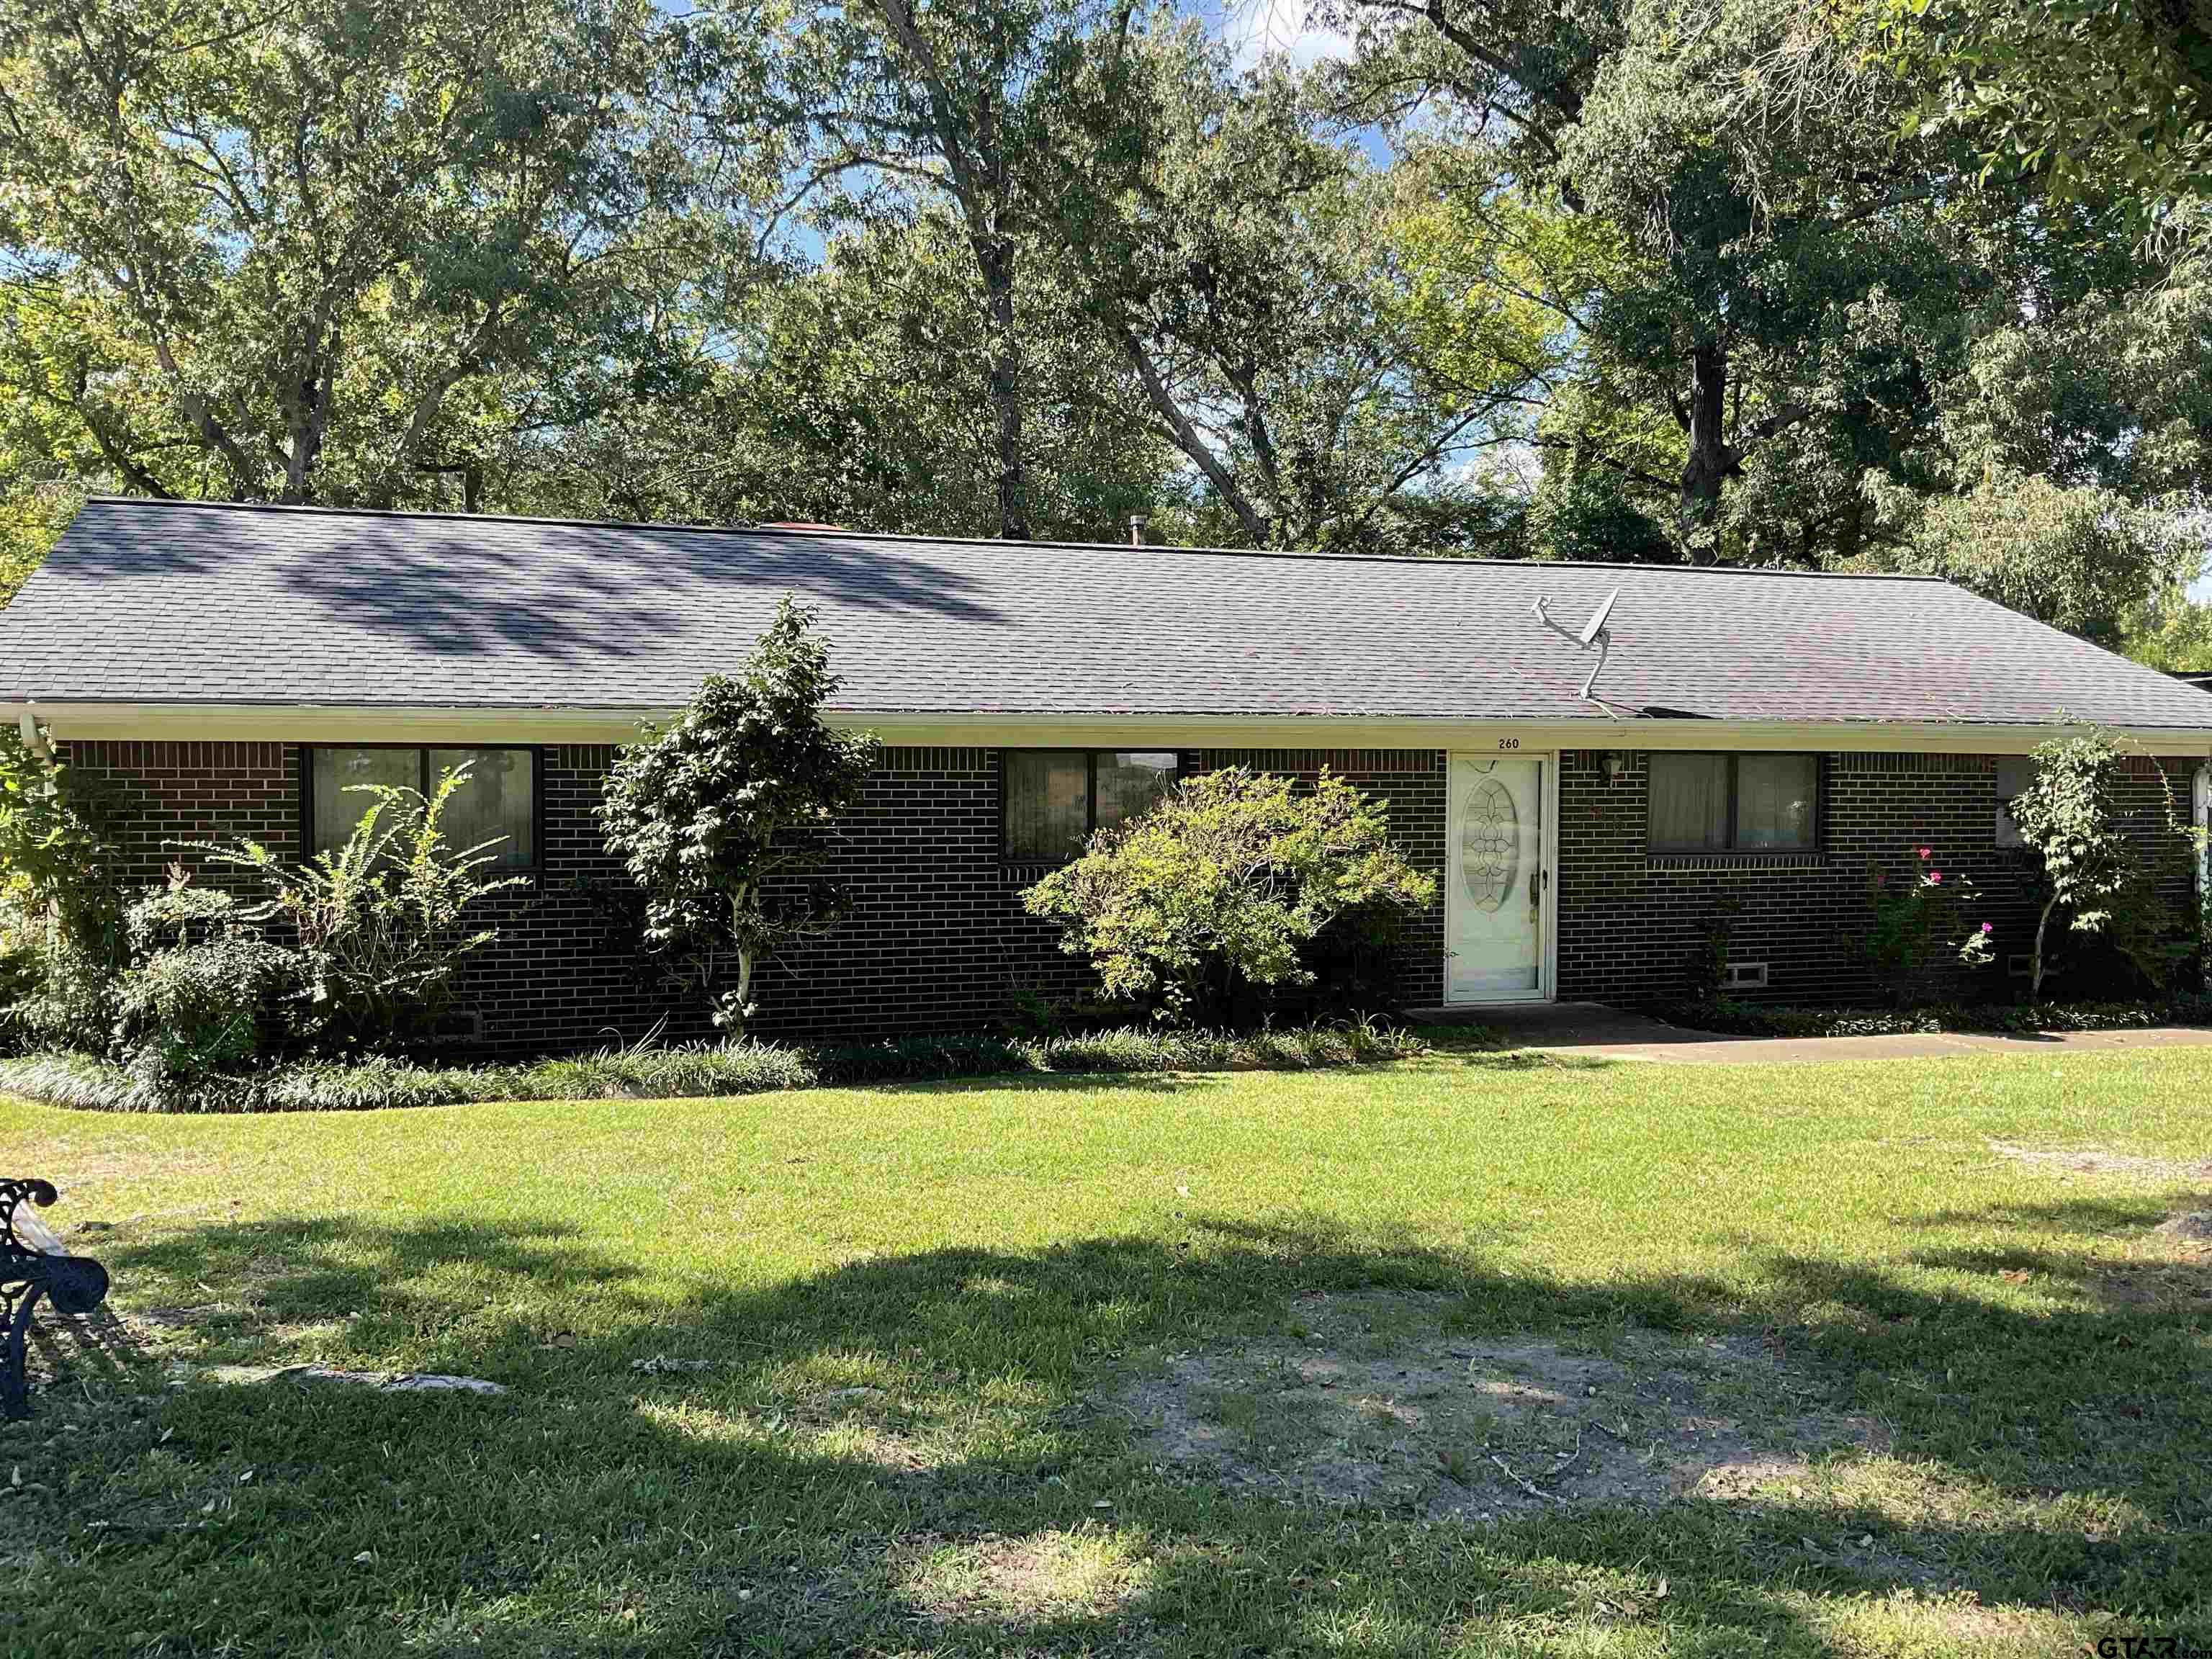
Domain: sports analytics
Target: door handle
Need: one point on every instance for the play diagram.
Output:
(1536, 889)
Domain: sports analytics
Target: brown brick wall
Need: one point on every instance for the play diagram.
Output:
(937, 939)
(1631, 922)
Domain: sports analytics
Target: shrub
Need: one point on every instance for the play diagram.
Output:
(1916, 911)
(61, 936)
(206, 990)
(1225, 882)
(383, 922)
(733, 1067)
(722, 816)
(1735, 1018)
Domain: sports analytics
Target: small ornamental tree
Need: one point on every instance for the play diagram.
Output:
(1225, 880)
(2068, 817)
(723, 816)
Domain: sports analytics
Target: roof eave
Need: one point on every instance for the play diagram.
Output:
(84, 721)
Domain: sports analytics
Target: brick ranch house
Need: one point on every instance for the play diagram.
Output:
(1759, 742)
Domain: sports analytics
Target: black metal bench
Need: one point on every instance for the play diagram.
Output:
(33, 1264)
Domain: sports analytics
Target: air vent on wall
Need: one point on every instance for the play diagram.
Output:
(1744, 975)
(2019, 964)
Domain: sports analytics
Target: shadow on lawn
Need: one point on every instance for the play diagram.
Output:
(765, 1506)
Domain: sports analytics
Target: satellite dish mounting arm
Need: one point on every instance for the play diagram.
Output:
(1594, 633)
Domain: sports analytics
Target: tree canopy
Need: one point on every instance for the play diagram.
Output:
(1892, 284)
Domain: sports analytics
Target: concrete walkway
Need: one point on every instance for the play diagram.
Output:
(1598, 1032)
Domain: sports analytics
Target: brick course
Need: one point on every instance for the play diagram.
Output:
(1631, 923)
(937, 939)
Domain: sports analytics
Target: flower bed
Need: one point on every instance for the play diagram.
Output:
(741, 1068)
(1735, 1018)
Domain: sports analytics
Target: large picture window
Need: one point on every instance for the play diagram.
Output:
(1054, 798)
(1735, 802)
(498, 800)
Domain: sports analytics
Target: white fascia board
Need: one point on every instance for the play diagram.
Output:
(268, 723)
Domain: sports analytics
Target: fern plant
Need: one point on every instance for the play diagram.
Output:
(382, 922)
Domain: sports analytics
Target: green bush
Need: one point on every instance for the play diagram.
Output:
(61, 932)
(1227, 883)
(207, 991)
(723, 816)
(737, 1066)
(384, 922)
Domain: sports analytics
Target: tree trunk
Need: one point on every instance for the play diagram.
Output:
(1710, 463)
(2035, 967)
(995, 259)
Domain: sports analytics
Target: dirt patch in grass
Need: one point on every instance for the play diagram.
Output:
(2095, 1160)
(1371, 1399)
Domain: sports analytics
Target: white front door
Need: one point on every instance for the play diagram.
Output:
(1495, 880)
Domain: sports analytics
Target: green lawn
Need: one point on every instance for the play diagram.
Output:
(937, 1325)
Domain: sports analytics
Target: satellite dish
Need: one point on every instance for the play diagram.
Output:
(1596, 623)
(1594, 633)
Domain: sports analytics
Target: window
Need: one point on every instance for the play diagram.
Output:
(1735, 802)
(499, 799)
(2015, 774)
(1054, 798)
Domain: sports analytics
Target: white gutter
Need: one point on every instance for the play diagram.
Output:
(308, 723)
(27, 723)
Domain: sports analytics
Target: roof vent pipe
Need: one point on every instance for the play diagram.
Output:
(1137, 523)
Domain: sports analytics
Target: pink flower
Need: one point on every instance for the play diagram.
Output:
(1986, 926)
(1927, 853)
(1935, 878)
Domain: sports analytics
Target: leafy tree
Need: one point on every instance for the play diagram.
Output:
(1242, 259)
(722, 815)
(954, 103)
(2102, 101)
(286, 255)
(1799, 327)
(2069, 818)
(856, 394)
(61, 902)
(1225, 881)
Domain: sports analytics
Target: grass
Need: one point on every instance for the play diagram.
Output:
(910, 1320)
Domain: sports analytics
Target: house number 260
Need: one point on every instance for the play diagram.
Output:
(1509, 743)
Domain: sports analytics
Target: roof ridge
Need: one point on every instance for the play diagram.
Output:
(915, 538)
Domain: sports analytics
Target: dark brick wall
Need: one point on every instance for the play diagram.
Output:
(938, 941)
(150, 795)
(1631, 923)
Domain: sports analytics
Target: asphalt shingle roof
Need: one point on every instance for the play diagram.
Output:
(199, 603)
